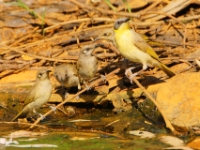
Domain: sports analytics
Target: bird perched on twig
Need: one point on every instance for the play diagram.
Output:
(38, 96)
(106, 40)
(87, 64)
(107, 35)
(67, 75)
(133, 47)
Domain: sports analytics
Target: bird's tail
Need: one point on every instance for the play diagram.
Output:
(21, 114)
(167, 70)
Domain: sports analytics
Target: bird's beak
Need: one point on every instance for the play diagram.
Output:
(49, 71)
(100, 39)
(95, 39)
(127, 19)
(93, 52)
(61, 79)
(99, 45)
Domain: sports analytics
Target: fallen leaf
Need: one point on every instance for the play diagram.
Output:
(83, 138)
(34, 145)
(142, 134)
(171, 140)
(179, 147)
(25, 133)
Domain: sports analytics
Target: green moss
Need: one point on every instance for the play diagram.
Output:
(64, 143)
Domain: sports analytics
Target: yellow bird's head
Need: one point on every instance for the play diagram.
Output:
(121, 24)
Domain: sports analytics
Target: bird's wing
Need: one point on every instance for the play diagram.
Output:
(96, 66)
(78, 65)
(75, 70)
(31, 95)
(138, 41)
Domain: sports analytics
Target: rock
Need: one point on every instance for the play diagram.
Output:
(179, 98)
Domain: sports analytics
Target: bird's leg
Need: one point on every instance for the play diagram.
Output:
(125, 63)
(63, 91)
(35, 112)
(53, 108)
(77, 97)
(42, 116)
(103, 78)
(131, 75)
(129, 71)
(79, 88)
(66, 94)
(88, 88)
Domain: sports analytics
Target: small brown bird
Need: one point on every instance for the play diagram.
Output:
(106, 40)
(87, 64)
(38, 96)
(67, 75)
(107, 35)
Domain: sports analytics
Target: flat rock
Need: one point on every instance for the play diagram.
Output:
(179, 98)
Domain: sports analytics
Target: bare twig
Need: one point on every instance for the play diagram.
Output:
(151, 6)
(170, 16)
(33, 55)
(78, 21)
(167, 122)
(103, 11)
(171, 8)
(23, 123)
(101, 132)
(112, 123)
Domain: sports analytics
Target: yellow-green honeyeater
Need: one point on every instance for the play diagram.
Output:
(133, 47)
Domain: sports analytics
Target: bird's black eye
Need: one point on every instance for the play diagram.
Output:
(105, 34)
(87, 49)
(40, 74)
